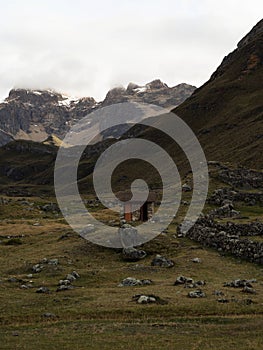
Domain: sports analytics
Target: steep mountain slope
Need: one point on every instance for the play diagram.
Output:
(35, 114)
(4, 137)
(226, 113)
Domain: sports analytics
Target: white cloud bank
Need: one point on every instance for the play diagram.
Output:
(85, 48)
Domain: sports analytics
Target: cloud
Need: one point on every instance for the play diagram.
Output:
(85, 48)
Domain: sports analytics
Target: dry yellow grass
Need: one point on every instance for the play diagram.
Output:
(98, 314)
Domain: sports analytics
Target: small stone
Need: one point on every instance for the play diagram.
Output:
(223, 300)
(75, 274)
(70, 277)
(218, 293)
(44, 290)
(186, 188)
(199, 283)
(144, 299)
(162, 261)
(37, 268)
(133, 254)
(53, 262)
(24, 286)
(249, 290)
(12, 279)
(238, 283)
(147, 299)
(64, 282)
(130, 282)
(248, 301)
(183, 280)
(64, 288)
(49, 315)
(146, 282)
(196, 294)
(196, 260)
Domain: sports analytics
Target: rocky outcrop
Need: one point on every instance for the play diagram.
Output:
(5, 138)
(255, 31)
(155, 92)
(37, 114)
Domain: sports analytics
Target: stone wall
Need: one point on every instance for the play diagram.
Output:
(223, 195)
(227, 238)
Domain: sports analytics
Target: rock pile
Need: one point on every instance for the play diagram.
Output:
(133, 254)
(148, 299)
(196, 294)
(162, 261)
(188, 282)
(41, 265)
(130, 282)
(66, 283)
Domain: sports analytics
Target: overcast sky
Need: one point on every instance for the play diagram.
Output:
(86, 47)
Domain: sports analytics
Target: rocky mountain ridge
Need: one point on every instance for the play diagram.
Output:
(226, 113)
(37, 114)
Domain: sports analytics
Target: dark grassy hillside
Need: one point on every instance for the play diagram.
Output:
(226, 113)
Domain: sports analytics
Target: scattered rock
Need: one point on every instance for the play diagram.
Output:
(49, 315)
(239, 283)
(13, 280)
(44, 290)
(24, 286)
(49, 261)
(199, 283)
(188, 282)
(248, 302)
(70, 277)
(130, 282)
(13, 241)
(65, 236)
(64, 287)
(186, 188)
(75, 274)
(249, 290)
(53, 262)
(223, 300)
(162, 261)
(64, 283)
(36, 224)
(128, 235)
(196, 294)
(45, 261)
(86, 230)
(218, 293)
(196, 260)
(144, 299)
(37, 268)
(183, 280)
(148, 299)
(133, 254)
